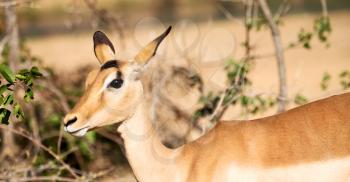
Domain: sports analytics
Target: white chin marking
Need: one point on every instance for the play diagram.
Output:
(81, 132)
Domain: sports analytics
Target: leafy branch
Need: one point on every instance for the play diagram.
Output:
(23, 79)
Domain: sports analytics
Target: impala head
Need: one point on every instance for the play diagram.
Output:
(112, 91)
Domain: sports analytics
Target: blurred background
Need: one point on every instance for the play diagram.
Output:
(223, 60)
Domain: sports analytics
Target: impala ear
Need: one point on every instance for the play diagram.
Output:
(103, 47)
(150, 49)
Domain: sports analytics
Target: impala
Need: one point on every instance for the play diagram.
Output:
(308, 143)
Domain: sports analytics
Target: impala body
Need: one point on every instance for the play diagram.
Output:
(309, 143)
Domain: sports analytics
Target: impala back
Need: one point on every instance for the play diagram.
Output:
(308, 143)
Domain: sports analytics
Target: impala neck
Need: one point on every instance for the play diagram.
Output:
(147, 155)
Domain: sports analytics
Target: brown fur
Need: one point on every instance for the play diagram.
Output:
(314, 132)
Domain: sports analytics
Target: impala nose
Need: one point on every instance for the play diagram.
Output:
(70, 121)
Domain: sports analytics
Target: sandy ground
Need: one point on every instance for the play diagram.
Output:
(214, 42)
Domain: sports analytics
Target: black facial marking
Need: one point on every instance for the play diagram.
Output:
(110, 64)
(119, 74)
(71, 121)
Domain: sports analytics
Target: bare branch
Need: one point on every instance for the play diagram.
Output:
(3, 43)
(38, 143)
(227, 14)
(324, 8)
(45, 178)
(282, 10)
(282, 98)
(218, 108)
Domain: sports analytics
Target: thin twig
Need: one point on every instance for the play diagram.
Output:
(248, 26)
(269, 55)
(226, 106)
(227, 14)
(218, 108)
(60, 137)
(222, 108)
(45, 178)
(282, 10)
(21, 133)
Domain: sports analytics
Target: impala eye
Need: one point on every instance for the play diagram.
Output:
(116, 83)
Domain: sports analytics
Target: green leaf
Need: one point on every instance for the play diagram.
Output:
(244, 100)
(344, 84)
(343, 74)
(55, 119)
(3, 89)
(24, 72)
(84, 149)
(322, 27)
(7, 73)
(20, 77)
(344, 77)
(91, 137)
(1, 99)
(300, 99)
(35, 72)
(4, 116)
(325, 81)
(305, 38)
(18, 111)
(40, 160)
(291, 45)
(29, 82)
(29, 95)
(8, 99)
